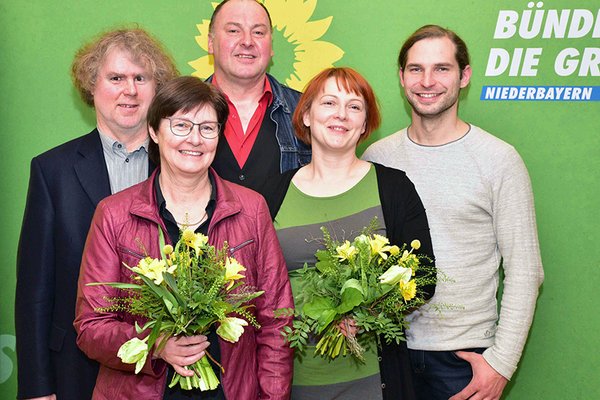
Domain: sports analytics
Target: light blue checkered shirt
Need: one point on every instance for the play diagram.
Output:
(124, 169)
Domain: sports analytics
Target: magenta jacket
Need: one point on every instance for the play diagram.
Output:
(124, 229)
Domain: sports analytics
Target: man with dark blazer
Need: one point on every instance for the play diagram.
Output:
(117, 74)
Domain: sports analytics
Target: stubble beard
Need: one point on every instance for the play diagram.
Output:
(434, 112)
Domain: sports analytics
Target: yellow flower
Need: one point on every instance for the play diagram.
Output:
(134, 351)
(415, 244)
(394, 250)
(379, 245)
(408, 289)
(196, 241)
(171, 269)
(395, 274)
(232, 271)
(152, 268)
(346, 251)
(405, 255)
(168, 249)
(292, 25)
(231, 329)
(187, 235)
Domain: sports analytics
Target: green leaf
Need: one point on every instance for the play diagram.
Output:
(352, 296)
(162, 293)
(170, 281)
(118, 285)
(156, 329)
(325, 265)
(140, 329)
(321, 309)
(161, 242)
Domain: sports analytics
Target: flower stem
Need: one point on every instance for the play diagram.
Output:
(208, 379)
(204, 378)
(215, 361)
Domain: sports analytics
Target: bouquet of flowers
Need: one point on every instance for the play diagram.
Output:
(189, 289)
(368, 282)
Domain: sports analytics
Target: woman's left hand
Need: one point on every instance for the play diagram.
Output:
(182, 351)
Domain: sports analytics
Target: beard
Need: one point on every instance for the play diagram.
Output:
(433, 110)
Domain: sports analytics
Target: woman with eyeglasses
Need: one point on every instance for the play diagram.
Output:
(185, 120)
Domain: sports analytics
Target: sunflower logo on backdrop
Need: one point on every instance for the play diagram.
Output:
(299, 54)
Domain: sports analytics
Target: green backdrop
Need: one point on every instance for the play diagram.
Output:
(559, 140)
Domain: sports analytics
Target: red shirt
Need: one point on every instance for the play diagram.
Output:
(241, 143)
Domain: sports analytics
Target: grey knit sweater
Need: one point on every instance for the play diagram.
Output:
(479, 203)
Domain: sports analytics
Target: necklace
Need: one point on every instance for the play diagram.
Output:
(188, 223)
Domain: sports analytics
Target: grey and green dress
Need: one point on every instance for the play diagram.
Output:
(383, 193)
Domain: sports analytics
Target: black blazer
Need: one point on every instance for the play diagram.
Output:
(65, 185)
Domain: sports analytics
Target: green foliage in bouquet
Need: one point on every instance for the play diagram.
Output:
(366, 281)
(191, 287)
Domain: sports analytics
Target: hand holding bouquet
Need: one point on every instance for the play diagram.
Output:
(191, 287)
(365, 286)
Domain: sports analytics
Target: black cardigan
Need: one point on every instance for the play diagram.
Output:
(405, 220)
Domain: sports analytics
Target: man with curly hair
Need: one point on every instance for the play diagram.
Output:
(117, 74)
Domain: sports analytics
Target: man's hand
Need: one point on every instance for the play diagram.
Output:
(182, 351)
(487, 384)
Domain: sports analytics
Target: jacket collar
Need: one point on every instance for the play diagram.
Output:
(91, 168)
(278, 97)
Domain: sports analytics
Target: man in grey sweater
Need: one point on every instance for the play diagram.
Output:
(479, 203)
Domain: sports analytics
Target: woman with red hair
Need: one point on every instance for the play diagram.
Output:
(338, 190)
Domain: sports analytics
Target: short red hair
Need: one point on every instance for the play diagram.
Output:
(352, 82)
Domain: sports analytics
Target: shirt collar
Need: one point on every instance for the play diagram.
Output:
(267, 91)
(162, 203)
(114, 146)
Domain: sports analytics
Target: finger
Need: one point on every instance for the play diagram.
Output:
(190, 350)
(478, 396)
(188, 360)
(466, 393)
(182, 371)
(190, 340)
(465, 355)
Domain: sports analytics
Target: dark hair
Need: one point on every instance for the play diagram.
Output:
(221, 4)
(139, 44)
(184, 94)
(352, 82)
(435, 31)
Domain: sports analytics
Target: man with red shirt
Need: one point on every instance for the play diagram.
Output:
(259, 138)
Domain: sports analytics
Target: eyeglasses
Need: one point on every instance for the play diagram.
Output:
(183, 127)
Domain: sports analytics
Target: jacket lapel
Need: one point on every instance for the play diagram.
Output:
(91, 168)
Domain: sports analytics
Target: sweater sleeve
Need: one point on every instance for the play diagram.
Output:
(515, 228)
